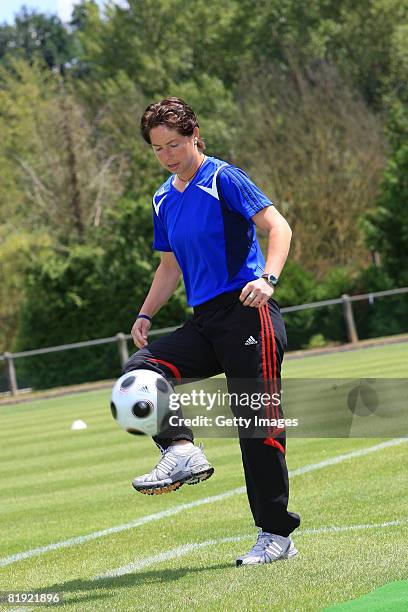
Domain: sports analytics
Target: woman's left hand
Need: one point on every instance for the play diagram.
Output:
(256, 293)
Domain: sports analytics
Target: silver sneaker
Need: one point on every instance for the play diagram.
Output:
(269, 547)
(175, 469)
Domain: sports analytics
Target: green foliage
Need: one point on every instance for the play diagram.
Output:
(318, 326)
(60, 173)
(24, 95)
(317, 341)
(94, 291)
(297, 286)
(295, 93)
(17, 250)
(326, 325)
(155, 43)
(37, 35)
(387, 226)
(113, 107)
(360, 38)
(329, 320)
(317, 151)
(216, 110)
(382, 316)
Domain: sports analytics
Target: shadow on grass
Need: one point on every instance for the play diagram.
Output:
(104, 588)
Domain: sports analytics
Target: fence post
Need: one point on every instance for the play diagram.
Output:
(11, 373)
(123, 348)
(349, 319)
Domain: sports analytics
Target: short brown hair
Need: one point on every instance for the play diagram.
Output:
(175, 114)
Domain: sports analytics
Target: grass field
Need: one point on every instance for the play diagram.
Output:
(114, 549)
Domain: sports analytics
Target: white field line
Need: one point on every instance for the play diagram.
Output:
(184, 549)
(27, 554)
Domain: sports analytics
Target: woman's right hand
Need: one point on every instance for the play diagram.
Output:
(140, 331)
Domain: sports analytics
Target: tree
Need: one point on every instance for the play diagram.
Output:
(387, 225)
(36, 35)
(284, 89)
(360, 37)
(315, 148)
(17, 251)
(93, 291)
(58, 176)
(158, 44)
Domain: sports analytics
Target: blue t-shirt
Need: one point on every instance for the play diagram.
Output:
(213, 238)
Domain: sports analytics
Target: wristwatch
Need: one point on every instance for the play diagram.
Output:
(270, 279)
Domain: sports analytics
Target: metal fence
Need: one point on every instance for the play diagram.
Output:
(121, 338)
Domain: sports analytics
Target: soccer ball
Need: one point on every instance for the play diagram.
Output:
(140, 402)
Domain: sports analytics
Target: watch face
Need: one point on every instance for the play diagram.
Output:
(272, 280)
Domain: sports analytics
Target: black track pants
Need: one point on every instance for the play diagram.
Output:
(215, 340)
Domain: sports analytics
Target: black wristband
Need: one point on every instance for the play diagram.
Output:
(143, 316)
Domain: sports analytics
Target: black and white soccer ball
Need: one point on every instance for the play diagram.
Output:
(140, 402)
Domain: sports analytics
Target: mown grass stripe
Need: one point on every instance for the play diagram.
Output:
(185, 549)
(182, 507)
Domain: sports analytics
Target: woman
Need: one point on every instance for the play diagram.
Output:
(205, 217)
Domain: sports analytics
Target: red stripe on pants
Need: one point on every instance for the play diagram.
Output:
(270, 380)
(273, 381)
(275, 443)
(266, 360)
(173, 369)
